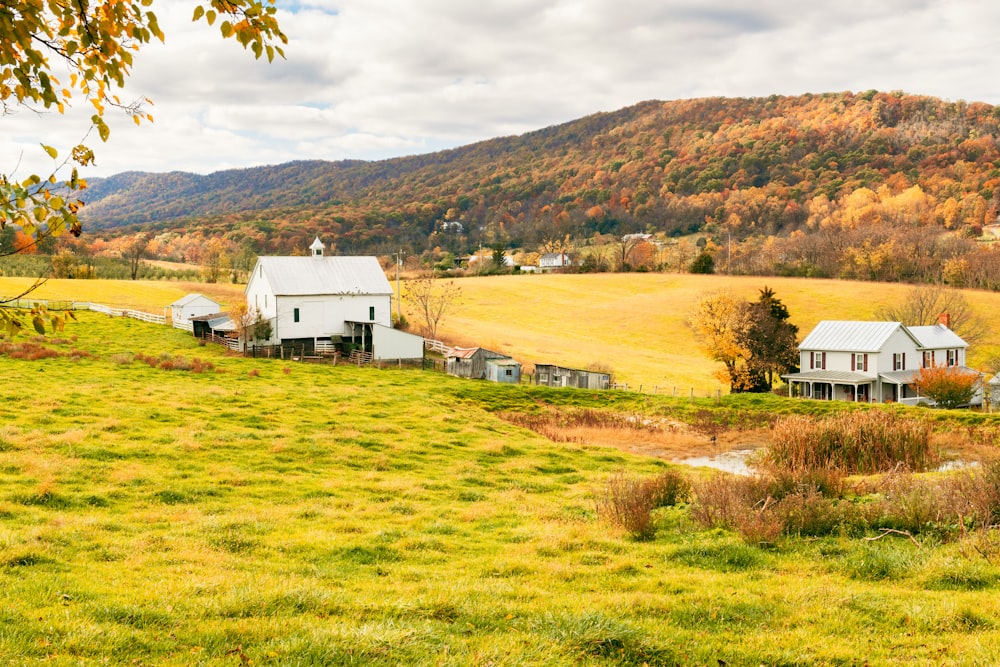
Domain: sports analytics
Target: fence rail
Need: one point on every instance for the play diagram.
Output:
(84, 305)
(436, 346)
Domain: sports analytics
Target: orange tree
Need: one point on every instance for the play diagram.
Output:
(948, 386)
(55, 51)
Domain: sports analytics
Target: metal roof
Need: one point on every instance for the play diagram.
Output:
(840, 377)
(315, 276)
(937, 337)
(849, 336)
(190, 298)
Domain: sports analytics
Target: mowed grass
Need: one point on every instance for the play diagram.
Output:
(269, 513)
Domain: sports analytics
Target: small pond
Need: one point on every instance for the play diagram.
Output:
(735, 461)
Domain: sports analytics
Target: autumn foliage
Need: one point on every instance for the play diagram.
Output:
(948, 386)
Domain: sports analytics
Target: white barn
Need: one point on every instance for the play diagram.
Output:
(319, 301)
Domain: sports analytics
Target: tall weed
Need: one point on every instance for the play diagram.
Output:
(856, 442)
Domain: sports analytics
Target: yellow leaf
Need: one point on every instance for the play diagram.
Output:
(53, 153)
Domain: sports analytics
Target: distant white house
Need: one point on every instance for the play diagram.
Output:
(317, 302)
(554, 260)
(192, 305)
(873, 361)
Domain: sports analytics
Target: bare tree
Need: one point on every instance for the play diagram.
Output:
(924, 304)
(135, 251)
(431, 299)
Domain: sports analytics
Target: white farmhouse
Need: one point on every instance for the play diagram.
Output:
(315, 302)
(873, 361)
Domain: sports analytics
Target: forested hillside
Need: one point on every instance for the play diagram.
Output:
(872, 185)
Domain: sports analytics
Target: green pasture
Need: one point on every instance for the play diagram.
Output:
(253, 512)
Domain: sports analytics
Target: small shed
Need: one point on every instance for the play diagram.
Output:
(219, 324)
(993, 391)
(192, 305)
(559, 376)
(470, 362)
(506, 371)
(386, 343)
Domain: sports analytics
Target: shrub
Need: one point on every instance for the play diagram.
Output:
(948, 386)
(628, 502)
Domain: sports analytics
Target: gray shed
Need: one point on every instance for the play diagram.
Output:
(470, 362)
(558, 376)
(507, 371)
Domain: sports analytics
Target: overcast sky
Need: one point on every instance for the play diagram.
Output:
(372, 79)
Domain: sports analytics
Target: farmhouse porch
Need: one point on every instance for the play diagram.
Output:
(891, 386)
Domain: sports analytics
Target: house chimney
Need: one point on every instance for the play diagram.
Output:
(944, 319)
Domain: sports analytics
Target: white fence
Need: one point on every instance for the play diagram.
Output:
(128, 312)
(84, 305)
(436, 346)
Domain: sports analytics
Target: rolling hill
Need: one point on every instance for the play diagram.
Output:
(749, 167)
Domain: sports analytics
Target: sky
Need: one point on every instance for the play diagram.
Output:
(374, 79)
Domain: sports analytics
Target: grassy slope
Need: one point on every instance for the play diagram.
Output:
(351, 516)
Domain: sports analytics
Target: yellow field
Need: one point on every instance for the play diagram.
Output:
(634, 324)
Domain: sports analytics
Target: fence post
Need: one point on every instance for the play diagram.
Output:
(692, 393)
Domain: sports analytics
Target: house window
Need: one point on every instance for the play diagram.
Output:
(295, 315)
(371, 313)
(819, 360)
(899, 361)
(860, 362)
(928, 358)
(953, 357)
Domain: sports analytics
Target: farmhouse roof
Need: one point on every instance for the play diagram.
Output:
(850, 336)
(937, 337)
(314, 276)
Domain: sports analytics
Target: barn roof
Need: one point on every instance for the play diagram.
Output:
(316, 276)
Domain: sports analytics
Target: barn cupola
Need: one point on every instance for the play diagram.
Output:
(317, 248)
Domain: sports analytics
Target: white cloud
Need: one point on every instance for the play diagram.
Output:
(372, 79)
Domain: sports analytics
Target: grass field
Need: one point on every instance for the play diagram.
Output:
(258, 512)
(633, 323)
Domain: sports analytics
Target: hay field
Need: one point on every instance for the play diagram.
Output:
(636, 323)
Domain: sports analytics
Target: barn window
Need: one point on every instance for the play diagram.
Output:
(295, 314)
(510, 372)
(371, 313)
